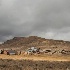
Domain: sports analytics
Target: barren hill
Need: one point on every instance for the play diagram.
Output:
(22, 43)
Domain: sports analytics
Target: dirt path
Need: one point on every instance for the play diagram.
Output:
(36, 58)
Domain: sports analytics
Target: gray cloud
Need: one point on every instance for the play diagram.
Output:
(45, 18)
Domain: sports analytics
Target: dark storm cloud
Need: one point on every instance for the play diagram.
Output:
(54, 15)
(45, 18)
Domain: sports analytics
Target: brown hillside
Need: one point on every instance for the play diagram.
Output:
(22, 43)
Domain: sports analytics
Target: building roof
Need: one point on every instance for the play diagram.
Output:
(11, 51)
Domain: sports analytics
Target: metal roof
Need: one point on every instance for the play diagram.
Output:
(11, 51)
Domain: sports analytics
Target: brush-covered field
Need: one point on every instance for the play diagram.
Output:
(34, 62)
(9, 64)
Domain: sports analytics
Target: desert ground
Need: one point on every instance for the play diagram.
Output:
(9, 64)
(34, 62)
(36, 57)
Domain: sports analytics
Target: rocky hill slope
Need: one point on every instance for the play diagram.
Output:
(22, 43)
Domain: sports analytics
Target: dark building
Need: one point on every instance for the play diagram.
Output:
(10, 52)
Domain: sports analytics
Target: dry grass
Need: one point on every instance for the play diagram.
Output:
(8, 64)
(36, 57)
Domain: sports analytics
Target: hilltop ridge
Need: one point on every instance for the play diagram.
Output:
(22, 43)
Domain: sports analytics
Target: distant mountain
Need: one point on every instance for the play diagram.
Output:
(22, 43)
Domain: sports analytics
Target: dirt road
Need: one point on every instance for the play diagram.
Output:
(36, 57)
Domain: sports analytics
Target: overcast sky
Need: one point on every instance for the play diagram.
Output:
(44, 18)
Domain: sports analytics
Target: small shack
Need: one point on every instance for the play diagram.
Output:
(2, 51)
(29, 51)
(64, 51)
(32, 50)
(10, 52)
(47, 50)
